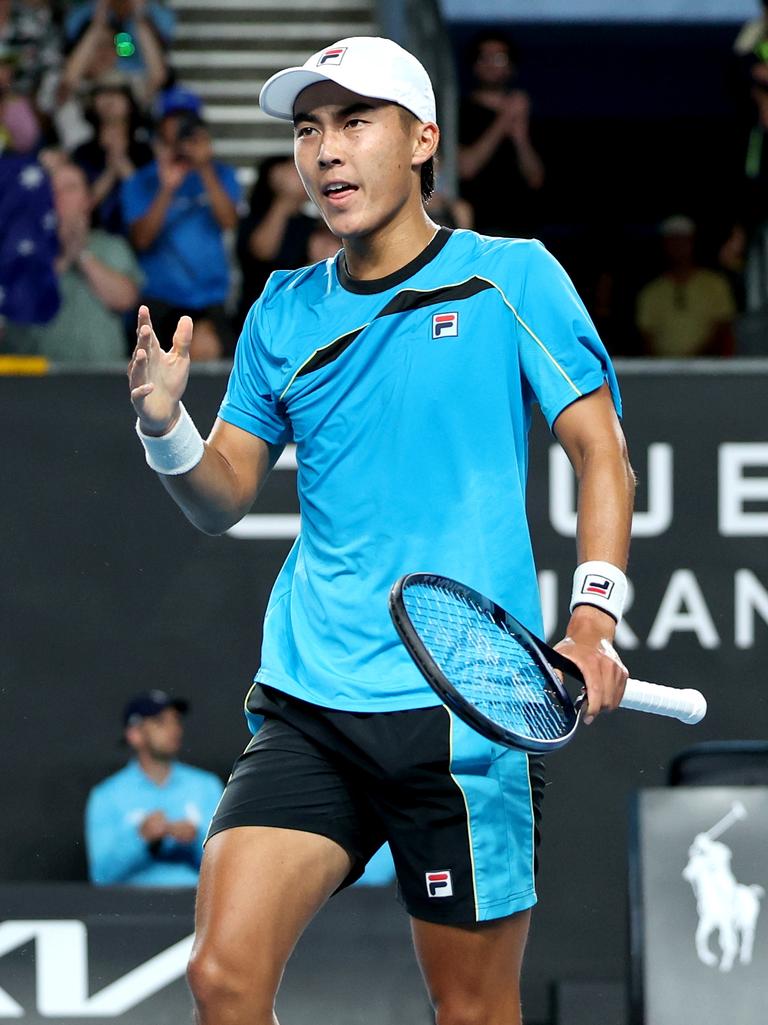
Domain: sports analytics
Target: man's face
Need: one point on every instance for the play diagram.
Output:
(158, 735)
(111, 105)
(70, 193)
(354, 155)
(493, 67)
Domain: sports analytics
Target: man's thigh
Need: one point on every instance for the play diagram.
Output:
(287, 780)
(259, 888)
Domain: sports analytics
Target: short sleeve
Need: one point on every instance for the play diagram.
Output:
(252, 401)
(115, 252)
(723, 303)
(647, 306)
(135, 198)
(228, 178)
(561, 354)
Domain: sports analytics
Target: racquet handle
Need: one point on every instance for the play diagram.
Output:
(689, 706)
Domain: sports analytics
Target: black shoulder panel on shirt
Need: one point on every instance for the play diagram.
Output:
(410, 299)
(322, 357)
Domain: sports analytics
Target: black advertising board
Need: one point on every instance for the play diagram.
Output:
(108, 590)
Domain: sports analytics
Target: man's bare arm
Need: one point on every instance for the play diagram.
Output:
(222, 486)
(591, 435)
(220, 490)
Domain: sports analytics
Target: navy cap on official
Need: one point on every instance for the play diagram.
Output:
(151, 703)
(367, 65)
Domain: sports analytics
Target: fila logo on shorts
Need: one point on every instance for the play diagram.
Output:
(445, 325)
(439, 884)
(597, 585)
(333, 56)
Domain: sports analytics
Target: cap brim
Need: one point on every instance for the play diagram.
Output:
(278, 94)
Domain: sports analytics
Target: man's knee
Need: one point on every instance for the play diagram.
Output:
(465, 1009)
(217, 984)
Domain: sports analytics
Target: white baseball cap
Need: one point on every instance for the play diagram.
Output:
(368, 65)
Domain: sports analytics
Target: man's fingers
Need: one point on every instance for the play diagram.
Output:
(605, 688)
(145, 333)
(182, 338)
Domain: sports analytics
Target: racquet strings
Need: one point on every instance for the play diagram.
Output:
(485, 663)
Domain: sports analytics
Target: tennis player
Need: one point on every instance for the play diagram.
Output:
(405, 370)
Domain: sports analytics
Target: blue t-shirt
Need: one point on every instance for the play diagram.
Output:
(187, 264)
(409, 399)
(118, 855)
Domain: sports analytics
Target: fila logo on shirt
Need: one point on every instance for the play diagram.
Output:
(445, 325)
(333, 56)
(593, 584)
(439, 884)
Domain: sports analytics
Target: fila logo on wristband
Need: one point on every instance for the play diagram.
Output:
(597, 585)
(602, 585)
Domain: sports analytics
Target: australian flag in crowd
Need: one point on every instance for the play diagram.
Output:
(29, 291)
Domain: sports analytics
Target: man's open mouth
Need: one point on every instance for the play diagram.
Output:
(336, 190)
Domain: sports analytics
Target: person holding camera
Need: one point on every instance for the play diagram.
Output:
(102, 53)
(177, 210)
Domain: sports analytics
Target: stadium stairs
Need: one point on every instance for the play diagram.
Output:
(225, 50)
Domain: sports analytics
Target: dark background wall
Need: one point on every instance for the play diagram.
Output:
(635, 122)
(107, 590)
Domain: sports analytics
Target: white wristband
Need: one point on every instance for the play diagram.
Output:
(602, 585)
(177, 451)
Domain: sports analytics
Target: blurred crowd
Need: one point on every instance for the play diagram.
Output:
(111, 195)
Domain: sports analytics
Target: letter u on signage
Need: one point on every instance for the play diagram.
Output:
(654, 521)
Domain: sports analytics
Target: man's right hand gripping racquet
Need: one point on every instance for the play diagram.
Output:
(496, 675)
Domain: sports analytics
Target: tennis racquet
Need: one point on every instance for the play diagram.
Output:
(496, 675)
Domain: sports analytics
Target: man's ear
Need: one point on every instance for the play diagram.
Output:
(426, 142)
(133, 736)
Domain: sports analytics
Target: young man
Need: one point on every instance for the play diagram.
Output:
(404, 370)
(145, 825)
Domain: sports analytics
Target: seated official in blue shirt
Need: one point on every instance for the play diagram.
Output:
(145, 825)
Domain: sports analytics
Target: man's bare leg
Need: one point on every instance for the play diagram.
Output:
(259, 889)
(472, 972)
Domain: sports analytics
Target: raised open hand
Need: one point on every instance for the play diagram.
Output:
(158, 378)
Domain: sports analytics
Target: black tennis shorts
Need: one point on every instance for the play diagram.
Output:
(461, 814)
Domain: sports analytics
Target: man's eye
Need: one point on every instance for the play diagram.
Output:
(354, 122)
(304, 130)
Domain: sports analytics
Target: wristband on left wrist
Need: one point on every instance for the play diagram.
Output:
(602, 585)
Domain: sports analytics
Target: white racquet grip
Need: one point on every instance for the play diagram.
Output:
(602, 585)
(176, 452)
(689, 706)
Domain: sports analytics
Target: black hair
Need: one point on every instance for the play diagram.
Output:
(427, 169)
(136, 119)
(427, 179)
(489, 35)
(262, 192)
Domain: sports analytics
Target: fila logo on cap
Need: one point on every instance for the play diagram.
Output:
(333, 56)
(439, 884)
(597, 585)
(445, 325)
